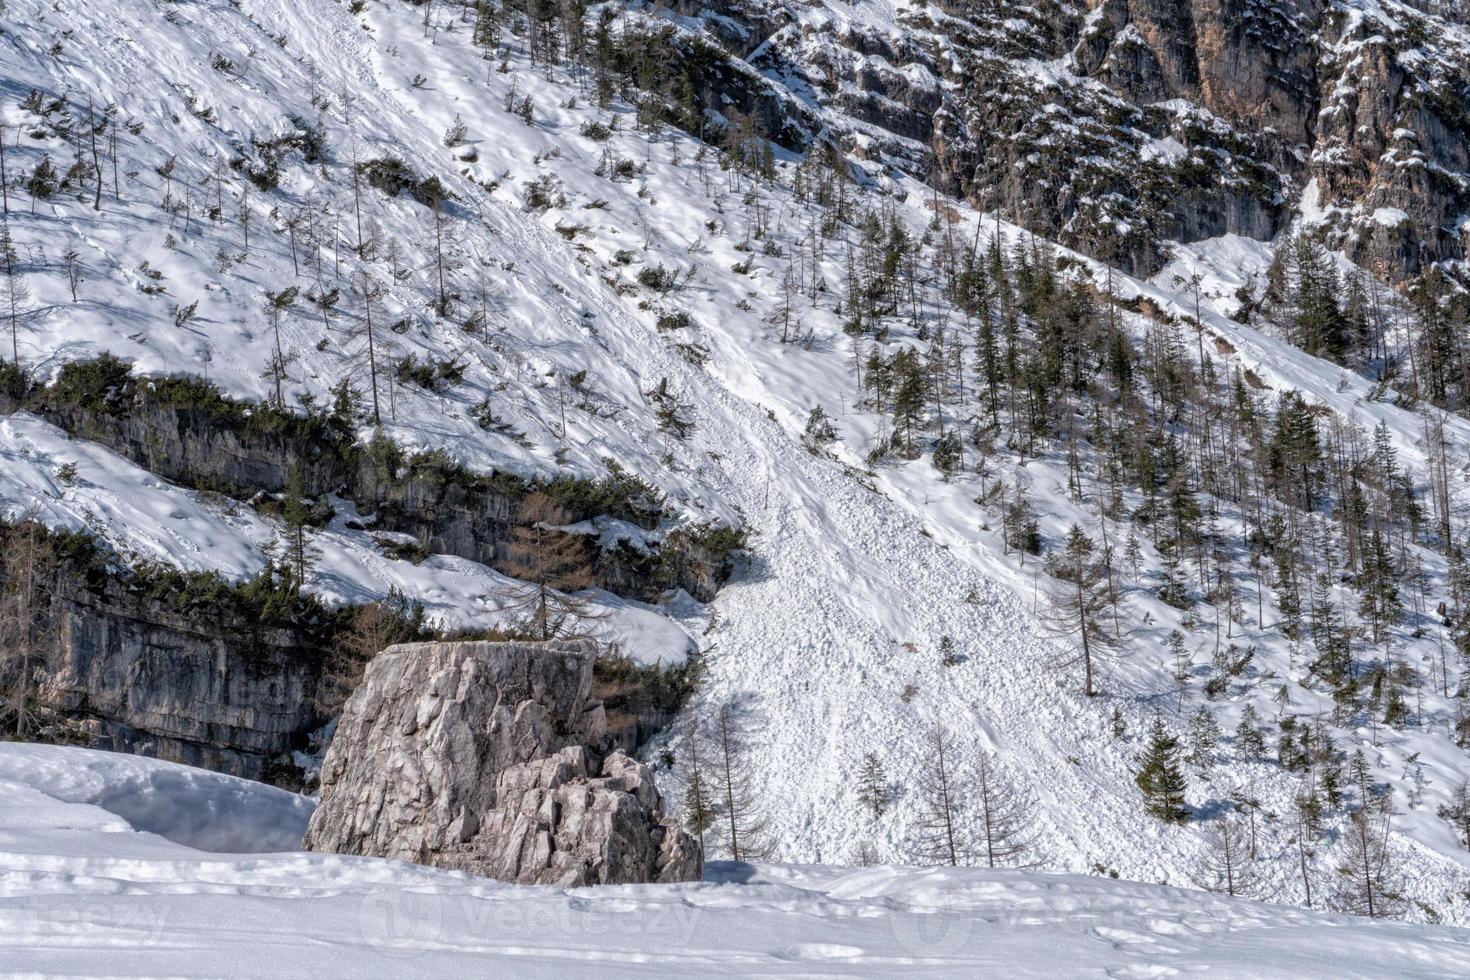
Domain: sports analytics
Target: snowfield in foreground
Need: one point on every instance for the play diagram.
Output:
(116, 865)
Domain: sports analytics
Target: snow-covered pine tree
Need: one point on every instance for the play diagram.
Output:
(819, 431)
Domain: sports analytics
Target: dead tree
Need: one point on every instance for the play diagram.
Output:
(1005, 813)
(940, 835)
(1227, 866)
(15, 295)
(26, 607)
(551, 564)
(1368, 879)
(1077, 608)
(739, 808)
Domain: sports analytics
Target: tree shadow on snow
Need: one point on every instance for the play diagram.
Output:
(729, 872)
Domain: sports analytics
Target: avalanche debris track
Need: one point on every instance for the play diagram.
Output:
(810, 638)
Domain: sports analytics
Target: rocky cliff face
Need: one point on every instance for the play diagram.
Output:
(1115, 126)
(139, 660)
(133, 673)
(485, 757)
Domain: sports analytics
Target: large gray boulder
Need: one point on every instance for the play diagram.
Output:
(484, 757)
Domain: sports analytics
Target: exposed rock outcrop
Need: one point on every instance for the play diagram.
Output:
(1116, 126)
(486, 757)
(157, 676)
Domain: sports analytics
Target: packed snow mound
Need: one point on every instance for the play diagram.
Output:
(79, 894)
(192, 807)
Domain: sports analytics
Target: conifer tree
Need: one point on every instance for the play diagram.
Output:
(276, 305)
(1227, 866)
(43, 182)
(1204, 735)
(908, 398)
(1077, 606)
(1318, 321)
(1160, 776)
(1306, 829)
(1295, 452)
(372, 628)
(1378, 586)
(4, 175)
(1005, 817)
(1172, 588)
(27, 607)
(1457, 812)
(1117, 723)
(300, 555)
(15, 295)
(940, 835)
(1368, 880)
(74, 274)
(873, 790)
(699, 805)
(745, 830)
(1183, 667)
(819, 431)
(551, 564)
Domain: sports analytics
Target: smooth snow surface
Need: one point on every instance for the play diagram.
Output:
(85, 892)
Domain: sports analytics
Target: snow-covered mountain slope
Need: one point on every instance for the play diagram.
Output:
(572, 246)
(103, 871)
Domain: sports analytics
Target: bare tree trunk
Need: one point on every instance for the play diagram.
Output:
(96, 159)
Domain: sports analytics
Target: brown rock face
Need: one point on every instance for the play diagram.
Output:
(483, 757)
